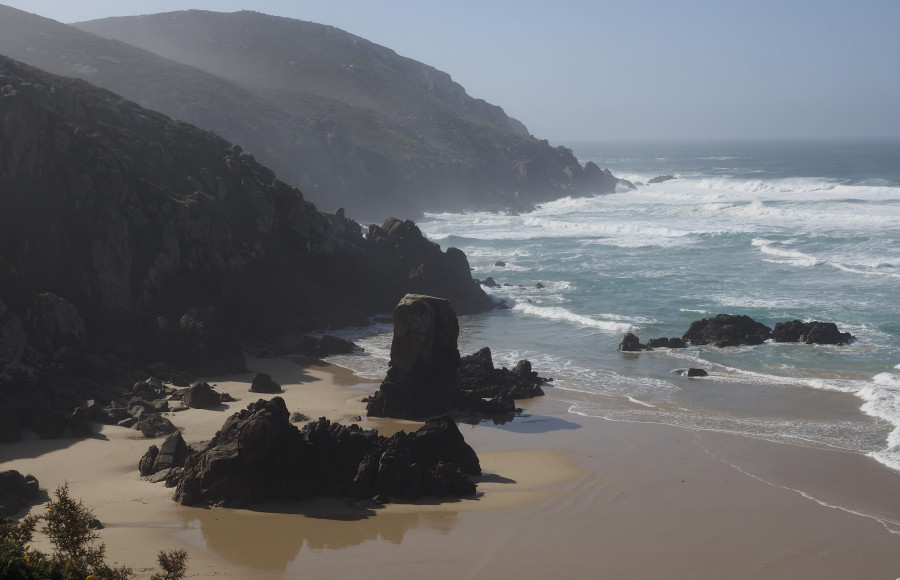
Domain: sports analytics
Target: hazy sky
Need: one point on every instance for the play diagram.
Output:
(630, 69)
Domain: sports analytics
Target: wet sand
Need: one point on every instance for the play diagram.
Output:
(561, 495)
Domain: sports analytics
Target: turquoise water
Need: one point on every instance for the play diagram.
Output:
(777, 231)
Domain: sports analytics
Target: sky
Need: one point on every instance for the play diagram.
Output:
(579, 70)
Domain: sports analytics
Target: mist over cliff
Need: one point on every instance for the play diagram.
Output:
(351, 123)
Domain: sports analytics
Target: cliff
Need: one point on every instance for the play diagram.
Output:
(115, 219)
(351, 123)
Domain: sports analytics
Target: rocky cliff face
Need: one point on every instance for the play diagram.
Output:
(116, 221)
(351, 123)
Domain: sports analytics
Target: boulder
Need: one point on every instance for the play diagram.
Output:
(154, 425)
(810, 332)
(692, 372)
(172, 453)
(665, 342)
(631, 343)
(263, 383)
(201, 396)
(727, 330)
(16, 491)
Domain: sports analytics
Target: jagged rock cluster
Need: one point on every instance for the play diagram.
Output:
(736, 330)
(258, 455)
(144, 406)
(427, 376)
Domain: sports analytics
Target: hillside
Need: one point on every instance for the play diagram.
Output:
(117, 221)
(351, 123)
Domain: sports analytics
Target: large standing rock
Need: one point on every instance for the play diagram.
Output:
(421, 377)
(810, 332)
(727, 330)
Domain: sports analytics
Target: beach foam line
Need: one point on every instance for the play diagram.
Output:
(890, 525)
(559, 313)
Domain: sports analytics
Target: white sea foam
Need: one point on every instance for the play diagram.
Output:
(562, 314)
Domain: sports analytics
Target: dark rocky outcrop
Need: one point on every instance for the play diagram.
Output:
(17, 491)
(426, 375)
(263, 383)
(154, 425)
(727, 330)
(128, 239)
(692, 372)
(408, 263)
(201, 396)
(478, 376)
(666, 342)
(810, 332)
(172, 453)
(631, 343)
(258, 455)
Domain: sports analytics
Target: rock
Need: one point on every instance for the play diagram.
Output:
(727, 330)
(258, 455)
(664, 342)
(146, 466)
(631, 343)
(17, 491)
(810, 332)
(660, 179)
(539, 286)
(406, 262)
(154, 425)
(172, 453)
(421, 377)
(331, 345)
(500, 264)
(478, 379)
(490, 282)
(427, 377)
(692, 372)
(201, 396)
(263, 383)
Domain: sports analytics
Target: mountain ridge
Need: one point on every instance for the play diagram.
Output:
(338, 153)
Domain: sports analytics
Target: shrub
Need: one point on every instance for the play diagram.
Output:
(68, 524)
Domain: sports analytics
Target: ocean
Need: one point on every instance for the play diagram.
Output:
(778, 231)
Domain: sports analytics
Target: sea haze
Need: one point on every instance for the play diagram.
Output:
(774, 230)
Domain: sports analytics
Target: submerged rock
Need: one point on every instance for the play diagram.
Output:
(810, 332)
(631, 343)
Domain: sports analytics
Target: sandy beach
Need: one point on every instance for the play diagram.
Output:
(561, 495)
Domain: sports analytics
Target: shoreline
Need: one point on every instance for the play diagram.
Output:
(560, 493)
